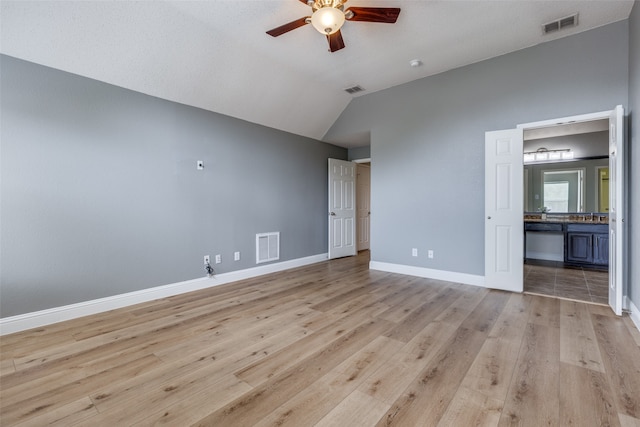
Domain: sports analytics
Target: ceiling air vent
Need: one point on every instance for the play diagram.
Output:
(354, 89)
(560, 24)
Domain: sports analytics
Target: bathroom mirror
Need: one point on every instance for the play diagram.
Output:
(577, 186)
(566, 168)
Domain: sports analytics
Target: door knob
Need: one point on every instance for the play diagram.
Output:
(332, 213)
(488, 217)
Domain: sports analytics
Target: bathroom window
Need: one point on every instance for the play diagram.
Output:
(562, 190)
(556, 196)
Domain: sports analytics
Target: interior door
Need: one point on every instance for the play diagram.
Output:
(616, 209)
(363, 206)
(504, 226)
(342, 212)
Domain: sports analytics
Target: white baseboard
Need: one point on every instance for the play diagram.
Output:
(449, 276)
(545, 256)
(21, 322)
(634, 313)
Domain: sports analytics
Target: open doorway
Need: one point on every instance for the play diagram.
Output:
(363, 204)
(504, 237)
(566, 220)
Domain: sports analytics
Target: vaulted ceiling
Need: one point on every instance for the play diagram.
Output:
(216, 55)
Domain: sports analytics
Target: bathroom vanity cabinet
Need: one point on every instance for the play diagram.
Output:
(587, 244)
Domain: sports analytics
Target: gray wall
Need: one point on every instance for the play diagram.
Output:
(590, 181)
(427, 139)
(634, 154)
(359, 153)
(101, 196)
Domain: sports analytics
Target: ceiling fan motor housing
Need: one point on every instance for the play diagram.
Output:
(319, 4)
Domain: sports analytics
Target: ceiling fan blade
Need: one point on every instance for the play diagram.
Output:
(335, 41)
(387, 15)
(305, 2)
(278, 31)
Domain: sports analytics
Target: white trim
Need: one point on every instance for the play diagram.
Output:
(367, 160)
(21, 322)
(634, 312)
(545, 256)
(429, 273)
(566, 120)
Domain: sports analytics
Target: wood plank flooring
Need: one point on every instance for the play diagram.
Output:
(331, 344)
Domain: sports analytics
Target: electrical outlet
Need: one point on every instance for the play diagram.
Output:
(236, 256)
(207, 260)
(430, 253)
(218, 259)
(200, 165)
(414, 252)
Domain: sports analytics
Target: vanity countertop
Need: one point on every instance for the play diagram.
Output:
(571, 218)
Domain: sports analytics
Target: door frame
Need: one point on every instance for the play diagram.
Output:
(359, 223)
(619, 253)
(366, 160)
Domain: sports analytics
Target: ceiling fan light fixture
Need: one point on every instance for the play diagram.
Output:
(327, 20)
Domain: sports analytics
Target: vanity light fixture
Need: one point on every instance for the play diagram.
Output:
(543, 155)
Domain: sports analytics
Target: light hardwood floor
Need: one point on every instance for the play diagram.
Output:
(332, 344)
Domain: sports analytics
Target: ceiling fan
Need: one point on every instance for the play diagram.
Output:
(329, 15)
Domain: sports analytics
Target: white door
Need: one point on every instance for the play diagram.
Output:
(363, 206)
(616, 209)
(342, 212)
(504, 226)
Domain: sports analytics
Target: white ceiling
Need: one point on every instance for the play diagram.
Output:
(215, 54)
(564, 129)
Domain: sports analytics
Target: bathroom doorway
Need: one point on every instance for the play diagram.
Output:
(569, 190)
(363, 206)
(504, 236)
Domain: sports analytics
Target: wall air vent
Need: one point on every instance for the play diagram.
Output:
(354, 89)
(267, 247)
(560, 24)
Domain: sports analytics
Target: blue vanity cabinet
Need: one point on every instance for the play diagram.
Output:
(601, 249)
(579, 247)
(587, 244)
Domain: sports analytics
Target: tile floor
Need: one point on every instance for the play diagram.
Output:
(553, 278)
